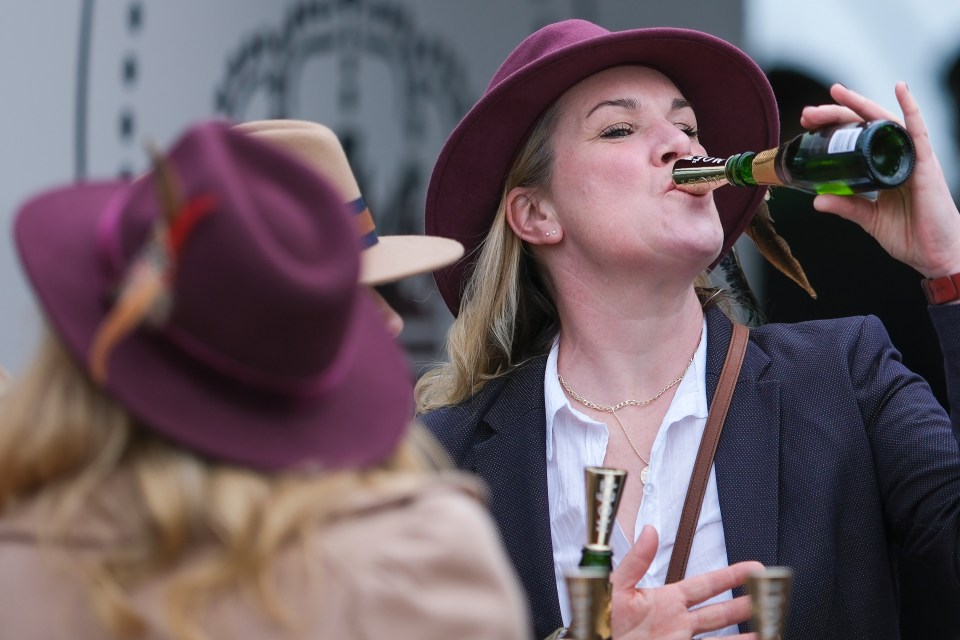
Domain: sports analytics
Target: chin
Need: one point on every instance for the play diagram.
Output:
(701, 257)
(707, 248)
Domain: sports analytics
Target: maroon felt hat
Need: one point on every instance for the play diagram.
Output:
(735, 106)
(267, 352)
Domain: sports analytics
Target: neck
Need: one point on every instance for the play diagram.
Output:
(629, 348)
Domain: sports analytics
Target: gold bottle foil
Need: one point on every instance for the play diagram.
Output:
(764, 171)
(770, 601)
(604, 489)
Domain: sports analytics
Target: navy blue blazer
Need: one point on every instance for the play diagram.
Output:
(833, 456)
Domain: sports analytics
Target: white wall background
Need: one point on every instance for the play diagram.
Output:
(154, 66)
(179, 54)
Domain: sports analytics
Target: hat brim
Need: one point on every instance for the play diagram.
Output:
(397, 257)
(735, 106)
(356, 423)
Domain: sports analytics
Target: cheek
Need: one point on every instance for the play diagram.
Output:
(577, 181)
(596, 187)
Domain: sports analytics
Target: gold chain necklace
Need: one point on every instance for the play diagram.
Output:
(612, 409)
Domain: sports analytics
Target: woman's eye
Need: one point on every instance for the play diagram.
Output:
(616, 131)
(687, 129)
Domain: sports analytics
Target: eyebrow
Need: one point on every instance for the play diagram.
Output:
(631, 104)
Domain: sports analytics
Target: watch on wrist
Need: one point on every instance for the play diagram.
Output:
(943, 289)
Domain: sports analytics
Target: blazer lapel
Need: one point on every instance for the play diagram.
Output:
(512, 461)
(747, 461)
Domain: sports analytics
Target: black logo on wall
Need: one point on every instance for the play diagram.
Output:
(429, 84)
(271, 73)
(428, 81)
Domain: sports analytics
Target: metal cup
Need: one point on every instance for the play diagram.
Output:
(770, 601)
(589, 591)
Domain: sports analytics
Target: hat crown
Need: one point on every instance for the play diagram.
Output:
(313, 143)
(545, 42)
(264, 288)
(224, 311)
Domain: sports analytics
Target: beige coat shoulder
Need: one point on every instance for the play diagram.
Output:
(421, 563)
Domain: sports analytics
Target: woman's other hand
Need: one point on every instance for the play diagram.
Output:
(664, 612)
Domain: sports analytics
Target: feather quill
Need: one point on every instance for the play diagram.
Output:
(775, 249)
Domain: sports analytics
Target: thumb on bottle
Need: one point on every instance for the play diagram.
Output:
(635, 564)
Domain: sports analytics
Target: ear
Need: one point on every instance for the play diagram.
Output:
(531, 217)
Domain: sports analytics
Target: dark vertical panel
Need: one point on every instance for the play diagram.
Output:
(83, 77)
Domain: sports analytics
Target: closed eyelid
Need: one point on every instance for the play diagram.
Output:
(617, 130)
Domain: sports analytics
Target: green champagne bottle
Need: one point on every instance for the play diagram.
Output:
(604, 489)
(594, 556)
(843, 160)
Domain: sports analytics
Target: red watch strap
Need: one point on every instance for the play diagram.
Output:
(943, 289)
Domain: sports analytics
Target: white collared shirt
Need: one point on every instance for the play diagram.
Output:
(575, 441)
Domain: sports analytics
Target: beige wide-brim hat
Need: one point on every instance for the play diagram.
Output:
(384, 259)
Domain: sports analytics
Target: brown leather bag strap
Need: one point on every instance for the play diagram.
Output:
(708, 446)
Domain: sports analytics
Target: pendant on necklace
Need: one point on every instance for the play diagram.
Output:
(644, 474)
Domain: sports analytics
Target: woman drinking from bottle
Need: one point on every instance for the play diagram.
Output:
(588, 332)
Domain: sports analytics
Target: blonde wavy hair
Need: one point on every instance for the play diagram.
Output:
(62, 439)
(507, 312)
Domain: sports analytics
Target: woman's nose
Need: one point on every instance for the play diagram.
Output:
(672, 144)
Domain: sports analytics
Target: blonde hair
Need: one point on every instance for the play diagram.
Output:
(62, 439)
(507, 313)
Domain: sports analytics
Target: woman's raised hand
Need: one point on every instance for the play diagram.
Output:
(916, 223)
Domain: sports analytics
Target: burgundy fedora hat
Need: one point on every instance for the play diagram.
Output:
(263, 350)
(735, 106)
